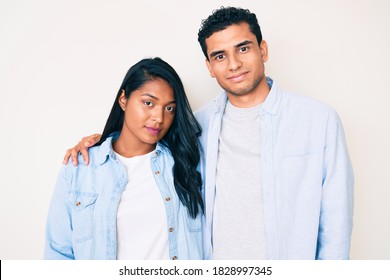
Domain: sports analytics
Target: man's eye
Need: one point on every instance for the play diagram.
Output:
(243, 49)
(148, 103)
(220, 57)
(170, 109)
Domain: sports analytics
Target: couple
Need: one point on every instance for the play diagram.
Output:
(270, 177)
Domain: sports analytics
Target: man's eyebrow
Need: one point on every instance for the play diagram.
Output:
(216, 53)
(246, 42)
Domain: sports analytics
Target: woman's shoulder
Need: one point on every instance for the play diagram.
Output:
(97, 156)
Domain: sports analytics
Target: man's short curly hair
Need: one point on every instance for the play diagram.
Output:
(223, 18)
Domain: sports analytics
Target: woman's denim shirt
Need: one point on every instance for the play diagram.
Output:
(81, 221)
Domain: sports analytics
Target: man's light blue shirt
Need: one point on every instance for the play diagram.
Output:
(307, 177)
(81, 222)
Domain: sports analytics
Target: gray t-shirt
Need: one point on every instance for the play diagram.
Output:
(238, 222)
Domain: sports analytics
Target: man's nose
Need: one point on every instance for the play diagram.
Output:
(234, 62)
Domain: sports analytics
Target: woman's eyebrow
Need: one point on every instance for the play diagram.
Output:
(156, 98)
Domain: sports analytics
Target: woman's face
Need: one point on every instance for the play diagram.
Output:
(149, 113)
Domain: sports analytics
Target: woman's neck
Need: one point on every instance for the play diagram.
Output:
(129, 149)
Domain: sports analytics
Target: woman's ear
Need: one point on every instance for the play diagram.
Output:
(122, 100)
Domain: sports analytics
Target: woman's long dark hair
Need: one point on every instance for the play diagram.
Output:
(181, 138)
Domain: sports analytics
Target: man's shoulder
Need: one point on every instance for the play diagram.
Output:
(305, 104)
(204, 112)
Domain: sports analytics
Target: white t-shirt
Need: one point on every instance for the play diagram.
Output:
(142, 231)
(238, 222)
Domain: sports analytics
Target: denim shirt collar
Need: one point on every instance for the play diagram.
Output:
(270, 105)
(106, 151)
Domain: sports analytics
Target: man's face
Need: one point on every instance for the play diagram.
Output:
(236, 60)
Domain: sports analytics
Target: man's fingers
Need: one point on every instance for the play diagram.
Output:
(84, 153)
(66, 157)
(75, 153)
(91, 140)
(81, 147)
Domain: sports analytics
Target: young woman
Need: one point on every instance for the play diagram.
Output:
(140, 195)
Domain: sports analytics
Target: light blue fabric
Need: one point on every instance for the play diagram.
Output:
(81, 222)
(307, 177)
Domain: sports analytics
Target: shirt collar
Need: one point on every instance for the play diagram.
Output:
(106, 151)
(272, 102)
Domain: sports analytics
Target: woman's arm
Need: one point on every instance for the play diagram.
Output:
(58, 243)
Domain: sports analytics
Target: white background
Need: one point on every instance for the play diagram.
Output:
(62, 62)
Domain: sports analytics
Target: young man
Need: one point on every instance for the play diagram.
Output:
(277, 175)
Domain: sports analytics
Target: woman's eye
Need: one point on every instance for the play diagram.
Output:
(148, 103)
(170, 109)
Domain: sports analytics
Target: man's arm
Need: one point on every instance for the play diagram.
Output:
(335, 228)
(81, 147)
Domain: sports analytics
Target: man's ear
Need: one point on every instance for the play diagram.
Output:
(264, 50)
(209, 67)
(122, 100)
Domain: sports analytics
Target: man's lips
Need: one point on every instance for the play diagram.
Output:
(153, 130)
(238, 77)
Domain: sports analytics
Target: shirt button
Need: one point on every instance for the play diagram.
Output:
(174, 258)
(157, 172)
(167, 198)
(171, 229)
(156, 153)
(78, 203)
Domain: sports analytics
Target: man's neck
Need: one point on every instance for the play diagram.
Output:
(251, 99)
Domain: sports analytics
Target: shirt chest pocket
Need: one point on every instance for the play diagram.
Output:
(297, 169)
(82, 205)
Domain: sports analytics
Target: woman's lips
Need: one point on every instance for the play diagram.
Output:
(153, 131)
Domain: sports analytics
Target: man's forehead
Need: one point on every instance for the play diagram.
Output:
(231, 33)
